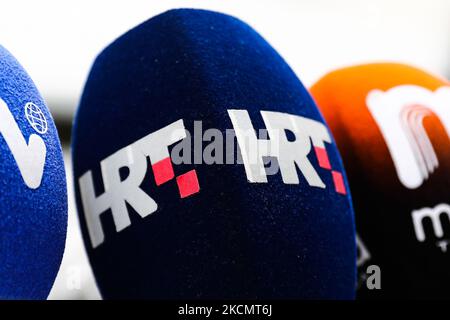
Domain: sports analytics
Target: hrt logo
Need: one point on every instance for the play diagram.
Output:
(118, 192)
(399, 113)
(289, 154)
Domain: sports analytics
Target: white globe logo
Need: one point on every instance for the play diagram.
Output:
(36, 118)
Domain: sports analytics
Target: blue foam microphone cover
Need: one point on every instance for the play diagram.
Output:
(33, 196)
(159, 228)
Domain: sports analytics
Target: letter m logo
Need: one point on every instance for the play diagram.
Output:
(434, 214)
(399, 113)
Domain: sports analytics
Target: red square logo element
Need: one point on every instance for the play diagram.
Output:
(322, 156)
(163, 171)
(188, 184)
(338, 182)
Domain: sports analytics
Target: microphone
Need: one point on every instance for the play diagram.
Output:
(203, 169)
(392, 126)
(33, 196)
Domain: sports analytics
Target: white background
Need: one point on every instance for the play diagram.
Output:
(57, 41)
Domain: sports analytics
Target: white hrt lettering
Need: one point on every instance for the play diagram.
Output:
(119, 192)
(290, 154)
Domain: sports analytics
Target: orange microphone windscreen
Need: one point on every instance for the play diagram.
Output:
(391, 123)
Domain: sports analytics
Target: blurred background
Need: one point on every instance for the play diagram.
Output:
(57, 42)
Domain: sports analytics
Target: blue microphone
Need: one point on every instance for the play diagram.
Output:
(33, 196)
(168, 209)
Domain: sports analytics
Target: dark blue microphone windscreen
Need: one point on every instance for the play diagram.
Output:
(164, 214)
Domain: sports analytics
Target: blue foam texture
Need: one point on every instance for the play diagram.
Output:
(33, 222)
(234, 239)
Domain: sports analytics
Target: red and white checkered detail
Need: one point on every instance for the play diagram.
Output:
(324, 162)
(187, 182)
